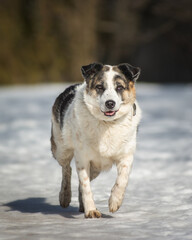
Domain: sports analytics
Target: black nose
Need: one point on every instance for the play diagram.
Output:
(110, 104)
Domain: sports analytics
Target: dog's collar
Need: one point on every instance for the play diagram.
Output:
(134, 109)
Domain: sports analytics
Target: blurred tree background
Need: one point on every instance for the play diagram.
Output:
(48, 41)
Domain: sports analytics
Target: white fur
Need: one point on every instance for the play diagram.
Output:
(96, 141)
(110, 93)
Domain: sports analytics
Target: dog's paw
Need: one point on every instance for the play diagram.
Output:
(93, 214)
(64, 199)
(114, 203)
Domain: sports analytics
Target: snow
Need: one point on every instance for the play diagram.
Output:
(158, 200)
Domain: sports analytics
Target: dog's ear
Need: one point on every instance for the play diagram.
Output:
(130, 72)
(90, 70)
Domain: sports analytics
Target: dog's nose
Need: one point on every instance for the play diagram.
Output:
(110, 104)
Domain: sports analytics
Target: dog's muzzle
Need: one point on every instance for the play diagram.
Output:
(110, 104)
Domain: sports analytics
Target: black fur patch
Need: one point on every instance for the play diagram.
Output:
(91, 70)
(62, 103)
(132, 73)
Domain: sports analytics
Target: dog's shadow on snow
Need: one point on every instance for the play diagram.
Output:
(39, 205)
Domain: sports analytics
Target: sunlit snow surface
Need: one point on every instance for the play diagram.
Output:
(158, 200)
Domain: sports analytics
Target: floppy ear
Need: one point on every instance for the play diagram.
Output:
(90, 70)
(130, 72)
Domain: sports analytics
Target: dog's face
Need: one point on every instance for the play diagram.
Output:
(110, 91)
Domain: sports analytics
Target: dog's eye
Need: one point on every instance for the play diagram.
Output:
(100, 87)
(119, 88)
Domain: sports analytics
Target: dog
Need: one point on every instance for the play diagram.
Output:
(96, 123)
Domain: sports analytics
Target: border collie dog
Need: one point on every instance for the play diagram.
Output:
(96, 123)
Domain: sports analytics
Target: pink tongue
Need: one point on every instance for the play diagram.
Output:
(109, 113)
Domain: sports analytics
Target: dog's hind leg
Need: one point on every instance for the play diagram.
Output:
(64, 156)
(65, 192)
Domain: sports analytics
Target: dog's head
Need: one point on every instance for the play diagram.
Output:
(110, 90)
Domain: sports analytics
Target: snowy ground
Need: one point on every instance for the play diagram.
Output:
(158, 201)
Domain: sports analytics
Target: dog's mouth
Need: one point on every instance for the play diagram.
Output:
(110, 113)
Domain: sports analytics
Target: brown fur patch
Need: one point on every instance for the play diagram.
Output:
(132, 89)
(129, 95)
(131, 85)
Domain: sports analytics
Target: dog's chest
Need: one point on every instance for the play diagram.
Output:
(111, 141)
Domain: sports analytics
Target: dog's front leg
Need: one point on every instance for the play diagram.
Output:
(118, 190)
(83, 170)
